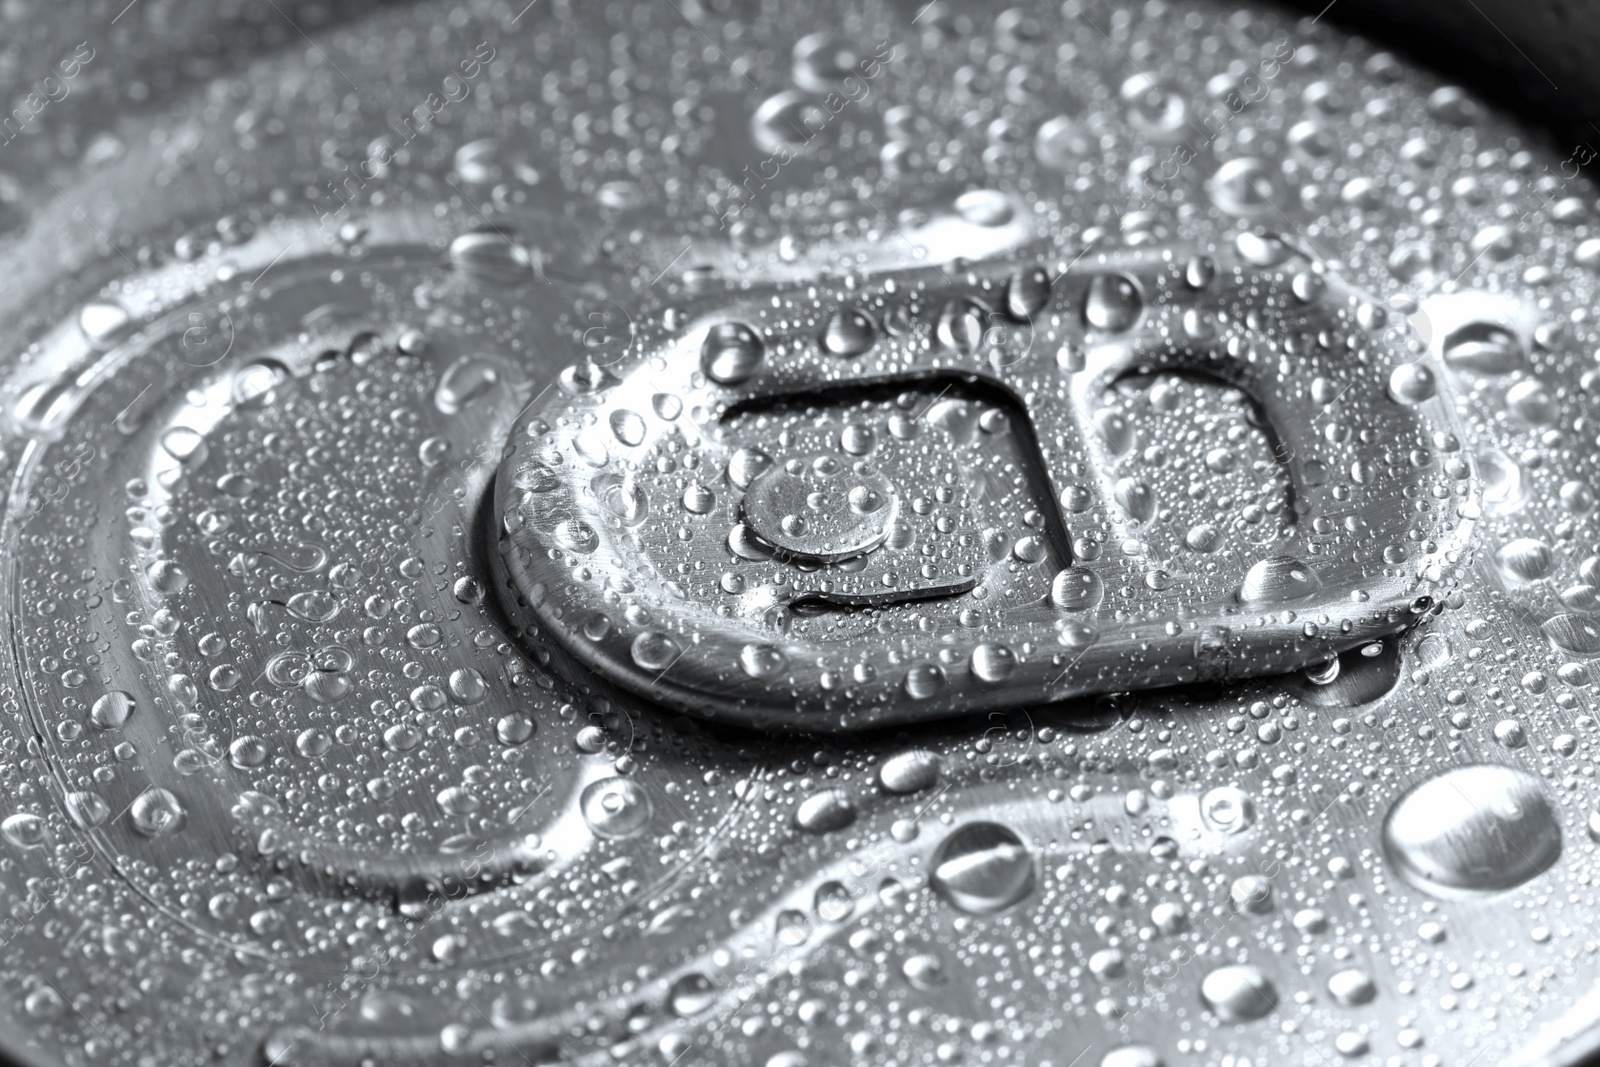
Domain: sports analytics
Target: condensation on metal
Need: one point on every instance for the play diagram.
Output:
(885, 373)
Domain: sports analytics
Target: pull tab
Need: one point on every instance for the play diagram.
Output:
(759, 516)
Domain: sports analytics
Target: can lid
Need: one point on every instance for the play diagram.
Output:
(745, 472)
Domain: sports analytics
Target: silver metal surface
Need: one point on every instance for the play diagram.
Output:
(292, 776)
(610, 487)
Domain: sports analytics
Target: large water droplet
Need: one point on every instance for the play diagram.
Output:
(849, 332)
(982, 867)
(157, 812)
(615, 807)
(23, 830)
(112, 710)
(732, 353)
(87, 809)
(1136, 498)
(691, 995)
(1573, 633)
(1242, 187)
(1525, 559)
(992, 663)
(1531, 403)
(910, 771)
(1132, 1056)
(1113, 303)
(491, 258)
(1483, 348)
(1277, 580)
(1352, 988)
(464, 381)
(1076, 589)
(627, 426)
(923, 681)
(961, 326)
(831, 809)
(762, 661)
(1154, 109)
(1238, 993)
(1412, 383)
(1472, 830)
(655, 651)
(1061, 142)
(1027, 293)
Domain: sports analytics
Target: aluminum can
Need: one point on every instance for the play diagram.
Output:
(789, 534)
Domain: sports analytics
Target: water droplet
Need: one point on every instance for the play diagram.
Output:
(465, 380)
(961, 325)
(1451, 104)
(790, 123)
(982, 868)
(1278, 580)
(762, 661)
(1483, 348)
(112, 710)
(820, 813)
(1061, 142)
(1203, 537)
(849, 333)
(1352, 988)
(184, 444)
(87, 809)
(1132, 1056)
(667, 406)
(1027, 293)
(923, 681)
(23, 830)
(491, 259)
(627, 426)
(1472, 830)
(993, 664)
(315, 605)
(1136, 498)
(655, 651)
(924, 971)
(1154, 110)
(698, 499)
(1242, 187)
(984, 207)
(101, 323)
(576, 536)
(1076, 589)
(1229, 809)
(157, 812)
(691, 995)
(1412, 383)
(1113, 303)
(1525, 559)
(1532, 404)
(733, 352)
(1573, 633)
(909, 772)
(615, 807)
(1238, 993)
